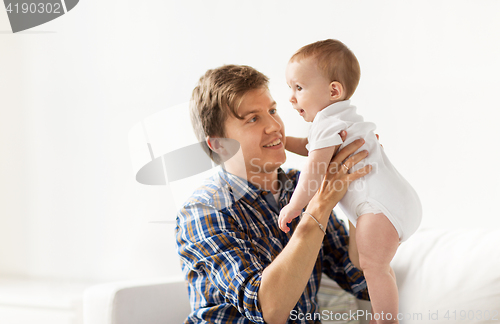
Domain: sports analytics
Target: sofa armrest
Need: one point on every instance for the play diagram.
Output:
(161, 300)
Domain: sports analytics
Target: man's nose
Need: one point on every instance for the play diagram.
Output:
(273, 124)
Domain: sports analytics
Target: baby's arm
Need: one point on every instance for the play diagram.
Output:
(296, 145)
(309, 182)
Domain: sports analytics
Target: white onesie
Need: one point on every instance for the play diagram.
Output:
(383, 189)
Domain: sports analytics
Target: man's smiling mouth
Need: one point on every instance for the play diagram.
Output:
(276, 142)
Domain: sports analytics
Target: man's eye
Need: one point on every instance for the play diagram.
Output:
(299, 88)
(273, 111)
(252, 120)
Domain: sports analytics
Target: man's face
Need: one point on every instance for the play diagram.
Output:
(310, 91)
(261, 134)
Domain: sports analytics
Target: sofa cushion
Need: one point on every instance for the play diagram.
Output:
(449, 276)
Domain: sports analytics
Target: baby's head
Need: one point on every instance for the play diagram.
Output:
(320, 74)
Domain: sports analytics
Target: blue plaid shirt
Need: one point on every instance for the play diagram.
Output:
(227, 234)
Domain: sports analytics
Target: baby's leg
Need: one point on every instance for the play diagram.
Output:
(377, 242)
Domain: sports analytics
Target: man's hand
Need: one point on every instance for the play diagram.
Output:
(379, 140)
(343, 135)
(337, 179)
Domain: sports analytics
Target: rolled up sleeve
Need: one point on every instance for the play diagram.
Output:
(220, 263)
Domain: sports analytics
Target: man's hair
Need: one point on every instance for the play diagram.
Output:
(219, 94)
(335, 60)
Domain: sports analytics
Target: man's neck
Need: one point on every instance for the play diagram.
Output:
(263, 179)
(267, 181)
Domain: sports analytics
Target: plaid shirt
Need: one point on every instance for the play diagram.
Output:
(227, 234)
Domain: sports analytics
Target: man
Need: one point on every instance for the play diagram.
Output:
(241, 268)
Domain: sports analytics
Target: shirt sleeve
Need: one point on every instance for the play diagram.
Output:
(324, 133)
(211, 244)
(336, 262)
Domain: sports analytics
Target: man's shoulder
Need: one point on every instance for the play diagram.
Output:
(210, 193)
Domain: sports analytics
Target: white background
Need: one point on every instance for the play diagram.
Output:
(71, 89)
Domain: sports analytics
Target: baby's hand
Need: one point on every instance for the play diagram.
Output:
(286, 216)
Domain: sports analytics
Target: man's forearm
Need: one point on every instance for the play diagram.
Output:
(353, 247)
(284, 280)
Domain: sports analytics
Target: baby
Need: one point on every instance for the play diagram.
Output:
(382, 205)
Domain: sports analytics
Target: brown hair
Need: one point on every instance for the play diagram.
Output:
(336, 61)
(219, 93)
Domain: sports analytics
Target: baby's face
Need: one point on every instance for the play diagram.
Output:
(310, 89)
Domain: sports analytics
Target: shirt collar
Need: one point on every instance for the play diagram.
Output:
(241, 188)
(336, 108)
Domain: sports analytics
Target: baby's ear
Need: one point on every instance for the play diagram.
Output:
(336, 91)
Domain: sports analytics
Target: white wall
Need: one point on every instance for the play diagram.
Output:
(71, 89)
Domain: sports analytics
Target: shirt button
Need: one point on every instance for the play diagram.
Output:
(264, 193)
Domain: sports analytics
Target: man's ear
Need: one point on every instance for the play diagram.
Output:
(215, 144)
(336, 91)
(225, 148)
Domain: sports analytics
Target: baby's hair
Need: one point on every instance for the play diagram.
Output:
(335, 60)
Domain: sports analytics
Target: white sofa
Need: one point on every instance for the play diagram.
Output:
(155, 301)
(444, 276)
